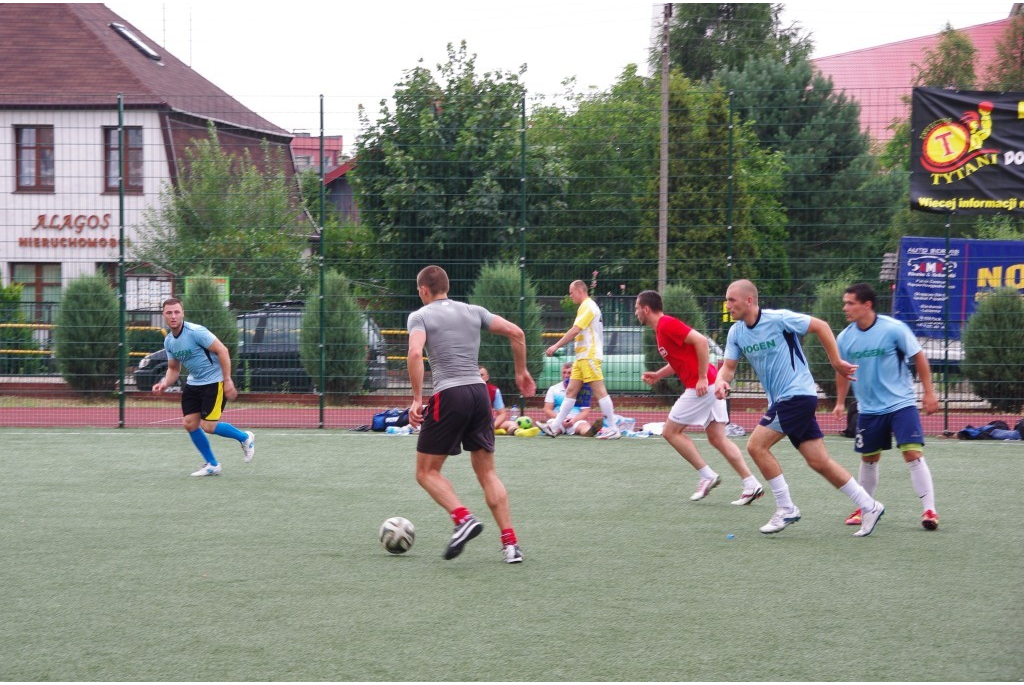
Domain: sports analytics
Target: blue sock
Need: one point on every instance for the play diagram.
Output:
(226, 430)
(202, 444)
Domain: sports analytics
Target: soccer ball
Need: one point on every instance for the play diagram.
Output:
(397, 535)
(525, 422)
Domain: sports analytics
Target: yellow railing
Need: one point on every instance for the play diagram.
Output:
(50, 326)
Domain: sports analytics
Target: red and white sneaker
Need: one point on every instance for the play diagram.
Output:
(930, 520)
(854, 519)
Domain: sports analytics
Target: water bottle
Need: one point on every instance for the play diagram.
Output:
(515, 412)
(636, 434)
(398, 430)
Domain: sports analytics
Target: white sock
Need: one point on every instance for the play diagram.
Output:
(750, 483)
(708, 472)
(921, 479)
(858, 494)
(563, 412)
(608, 409)
(868, 476)
(780, 488)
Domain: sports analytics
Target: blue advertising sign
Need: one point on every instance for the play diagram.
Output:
(928, 277)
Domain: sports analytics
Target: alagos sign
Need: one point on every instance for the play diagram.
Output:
(967, 152)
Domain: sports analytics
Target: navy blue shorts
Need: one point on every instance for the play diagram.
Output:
(206, 400)
(794, 416)
(875, 431)
(457, 416)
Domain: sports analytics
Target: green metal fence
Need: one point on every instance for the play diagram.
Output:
(795, 198)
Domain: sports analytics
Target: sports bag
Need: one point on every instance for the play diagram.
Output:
(390, 417)
(982, 433)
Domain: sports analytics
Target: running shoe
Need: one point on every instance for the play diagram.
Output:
(207, 470)
(464, 532)
(869, 519)
(512, 554)
(930, 520)
(854, 519)
(548, 429)
(749, 496)
(249, 447)
(705, 486)
(780, 519)
(608, 433)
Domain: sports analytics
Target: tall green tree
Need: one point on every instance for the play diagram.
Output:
(836, 211)
(86, 336)
(345, 353)
(439, 176)
(1008, 71)
(501, 290)
(994, 368)
(226, 215)
(723, 190)
(706, 37)
(204, 304)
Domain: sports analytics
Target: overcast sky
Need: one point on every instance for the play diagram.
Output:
(279, 63)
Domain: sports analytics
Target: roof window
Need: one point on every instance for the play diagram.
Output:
(127, 34)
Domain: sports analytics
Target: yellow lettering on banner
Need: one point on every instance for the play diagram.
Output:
(1020, 109)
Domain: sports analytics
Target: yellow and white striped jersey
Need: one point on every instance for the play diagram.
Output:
(590, 341)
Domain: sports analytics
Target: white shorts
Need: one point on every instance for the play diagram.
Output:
(692, 410)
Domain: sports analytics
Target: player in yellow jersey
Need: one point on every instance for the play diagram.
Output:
(587, 332)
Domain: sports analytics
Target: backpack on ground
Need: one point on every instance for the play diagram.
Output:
(390, 417)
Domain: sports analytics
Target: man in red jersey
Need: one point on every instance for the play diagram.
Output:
(686, 353)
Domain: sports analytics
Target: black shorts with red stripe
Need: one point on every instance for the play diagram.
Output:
(455, 419)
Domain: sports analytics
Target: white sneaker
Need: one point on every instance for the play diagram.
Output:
(550, 430)
(780, 519)
(207, 470)
(868, 519)
(705, 486)
(608, 433)
(512, 554)
(249, 447)
(749, 496)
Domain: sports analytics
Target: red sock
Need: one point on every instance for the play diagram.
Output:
(508, 537)
(459, 515)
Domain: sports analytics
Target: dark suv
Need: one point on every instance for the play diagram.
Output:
(268, 353)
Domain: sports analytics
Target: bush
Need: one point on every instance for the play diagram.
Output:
(86, 335)
(16, 339)
(204, 305)
(679, 301)
(345, 348)
(498, 288)
(828, 306)
(993, 360)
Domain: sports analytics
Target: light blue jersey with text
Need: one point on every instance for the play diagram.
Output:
(772, 346)
(882, 353)
(192, 348)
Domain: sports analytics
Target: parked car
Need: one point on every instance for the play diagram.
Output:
(268, 353)
(623, 361)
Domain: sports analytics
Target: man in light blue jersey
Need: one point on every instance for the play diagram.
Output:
(207, 388)
(883, 347)
(770, 340)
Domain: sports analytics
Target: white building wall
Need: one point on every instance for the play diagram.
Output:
(78, 225)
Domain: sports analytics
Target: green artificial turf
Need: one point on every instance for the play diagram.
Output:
(118, 566)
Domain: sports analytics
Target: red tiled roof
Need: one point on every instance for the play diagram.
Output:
(339, 172)
(67, 55)
(878, 77)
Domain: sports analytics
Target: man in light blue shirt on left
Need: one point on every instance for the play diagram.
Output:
(207, 388)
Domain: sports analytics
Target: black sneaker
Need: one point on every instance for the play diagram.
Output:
(464, 532)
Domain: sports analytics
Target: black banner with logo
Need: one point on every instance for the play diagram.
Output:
(967, 152)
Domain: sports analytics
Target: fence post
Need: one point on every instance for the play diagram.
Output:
(122, 341)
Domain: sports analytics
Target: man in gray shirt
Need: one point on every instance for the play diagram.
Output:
(458, 415)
